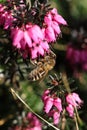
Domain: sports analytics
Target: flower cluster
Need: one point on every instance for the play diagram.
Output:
(76, 53)
(53, 105)
(31, 39)
(51, 101)
(31, 123)
(52, 22)
(34, 123)
(73, 100)
(76, 57)
(6, 17)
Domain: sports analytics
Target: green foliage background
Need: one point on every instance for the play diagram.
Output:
(75, 13)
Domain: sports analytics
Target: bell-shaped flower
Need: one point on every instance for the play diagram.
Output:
(8, 20)
(27, 38)
(35, 33)
(56, 117)
(48, 104)
(77, 99)
(51, 101)
(48, 19)
(49, 34)
(58, 18)
(51, 25)
(44, 45)
(36, 50)
(70, 110)
(74, 99)
(20, 38)
(57, 103)
(17, 36)
(45, 95)
(56, 28)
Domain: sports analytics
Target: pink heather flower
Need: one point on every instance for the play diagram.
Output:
(58, 18)
(39, 49)
(2, 18)
(49, 34)
(34, 123)
(27, 38)
(77, 99)
(35, 33)
(53, 15)
(69, 52)
(83, 59)
(57, 103)
(70, 110)
(6, 17)
(83, 55)
(45, 95)
(36, 50)
(1, 8)
(21, 38)
(56, 116)
(74, 100)
(1, 13)
(52, 22)
(48, 19)
(84, 66)
(29, 41)
(17, 36)
(44, 45)
(50, 101)
(56, 28)
(73, 55)
(8, 20)
(77, 58)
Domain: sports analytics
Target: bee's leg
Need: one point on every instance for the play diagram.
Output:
(52, 54)
(39, 63)
(34, 62)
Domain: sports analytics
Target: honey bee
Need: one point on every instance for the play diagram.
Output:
(43, 66)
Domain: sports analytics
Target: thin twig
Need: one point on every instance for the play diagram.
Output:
(75, 118)
(29, 2)
(27, 106)
(66, 84)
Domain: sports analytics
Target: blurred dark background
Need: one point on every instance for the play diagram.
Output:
(75, 13)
